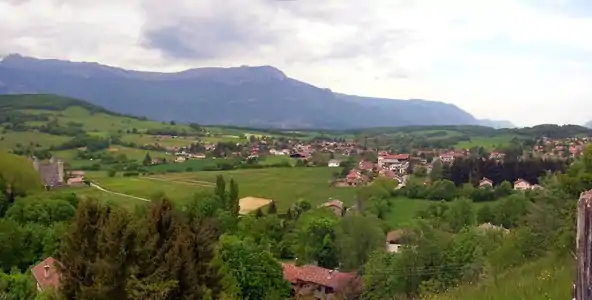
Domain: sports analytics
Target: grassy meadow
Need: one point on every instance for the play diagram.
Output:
(284, 185)
(547, 278)
(11, 139)
(488, 143)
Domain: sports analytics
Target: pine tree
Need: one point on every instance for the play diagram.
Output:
(272, 209)
(80, 248)
(147, 159)
(220, 189)
(233, 201)
(258, 213)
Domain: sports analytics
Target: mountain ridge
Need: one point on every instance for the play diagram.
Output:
(262, 96)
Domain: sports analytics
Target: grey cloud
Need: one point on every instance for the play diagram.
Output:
(221, 31)
(234, 28)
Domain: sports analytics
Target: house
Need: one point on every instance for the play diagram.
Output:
(485, 183)
(52, 172)
(353, 177)
(46, 274)
(522, 185)
(387, 160)
(447, 157)
(395, 240)
(334, 163)
(180, 159)
(400, 167)
(320, 283)
(336, 206)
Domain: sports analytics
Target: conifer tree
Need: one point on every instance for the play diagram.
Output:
(233, 201)
(220, 189)
(272, 209)
(80, 247)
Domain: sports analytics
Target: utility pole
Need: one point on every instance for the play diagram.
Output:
(583, 284)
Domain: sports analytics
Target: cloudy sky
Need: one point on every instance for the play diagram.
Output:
(528, 61)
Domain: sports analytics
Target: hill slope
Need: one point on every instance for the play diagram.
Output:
(589, 124)
(246, 96)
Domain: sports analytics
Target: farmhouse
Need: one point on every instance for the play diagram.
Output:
(334, 163)
(320, 283)
(521, 185)
(46, 274)
(180, 159)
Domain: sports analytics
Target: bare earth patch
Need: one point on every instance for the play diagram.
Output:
(248, 204)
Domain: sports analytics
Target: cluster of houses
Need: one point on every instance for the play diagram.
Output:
(570, 147)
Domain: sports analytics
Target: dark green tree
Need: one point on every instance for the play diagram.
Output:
(147, 160)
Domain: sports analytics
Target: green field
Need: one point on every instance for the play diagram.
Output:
(285, 185)
(11, 139)
(489, 143)
(548, 278)
(102, 122)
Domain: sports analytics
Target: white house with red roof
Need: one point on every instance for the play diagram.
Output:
(522, 185)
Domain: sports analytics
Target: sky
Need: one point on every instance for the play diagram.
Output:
(529, 62)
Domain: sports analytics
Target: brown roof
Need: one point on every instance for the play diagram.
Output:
(50, 174)
(394, 236)
(317, 275)
(336, 203)
(53, 277)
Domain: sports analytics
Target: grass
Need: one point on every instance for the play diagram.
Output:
(404, 210)
(489, 143)
(10, 139)
(143, 139)
(547, 278)
(191, 164)
(101, 122)
(285, 185)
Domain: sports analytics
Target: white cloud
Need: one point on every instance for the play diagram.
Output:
(502, 59)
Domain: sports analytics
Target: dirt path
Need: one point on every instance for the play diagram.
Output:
(116, 193)
(188, 182)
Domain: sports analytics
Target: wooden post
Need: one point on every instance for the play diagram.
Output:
(583, 285)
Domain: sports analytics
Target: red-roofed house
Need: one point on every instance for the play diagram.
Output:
(46, 274)
(320, 283)
(366, 165)
(353, 177)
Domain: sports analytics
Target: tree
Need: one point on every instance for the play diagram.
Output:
(315, 233)
(272, 209)
(437, 170)
(233, 204)
(111, 172)
(251, 273)
(485, 214)
(147, 160)
(357, 237)
(80, 249)
(442, 190)
(220, 189)
(17, 176)
(460, 214)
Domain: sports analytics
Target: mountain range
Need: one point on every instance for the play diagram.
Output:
(589, 124)
(260, 96)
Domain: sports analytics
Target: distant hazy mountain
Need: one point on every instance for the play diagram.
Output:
(247, 96)
(589, 124)
(497, 124)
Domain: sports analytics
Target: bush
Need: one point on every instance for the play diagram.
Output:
(130, 174)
